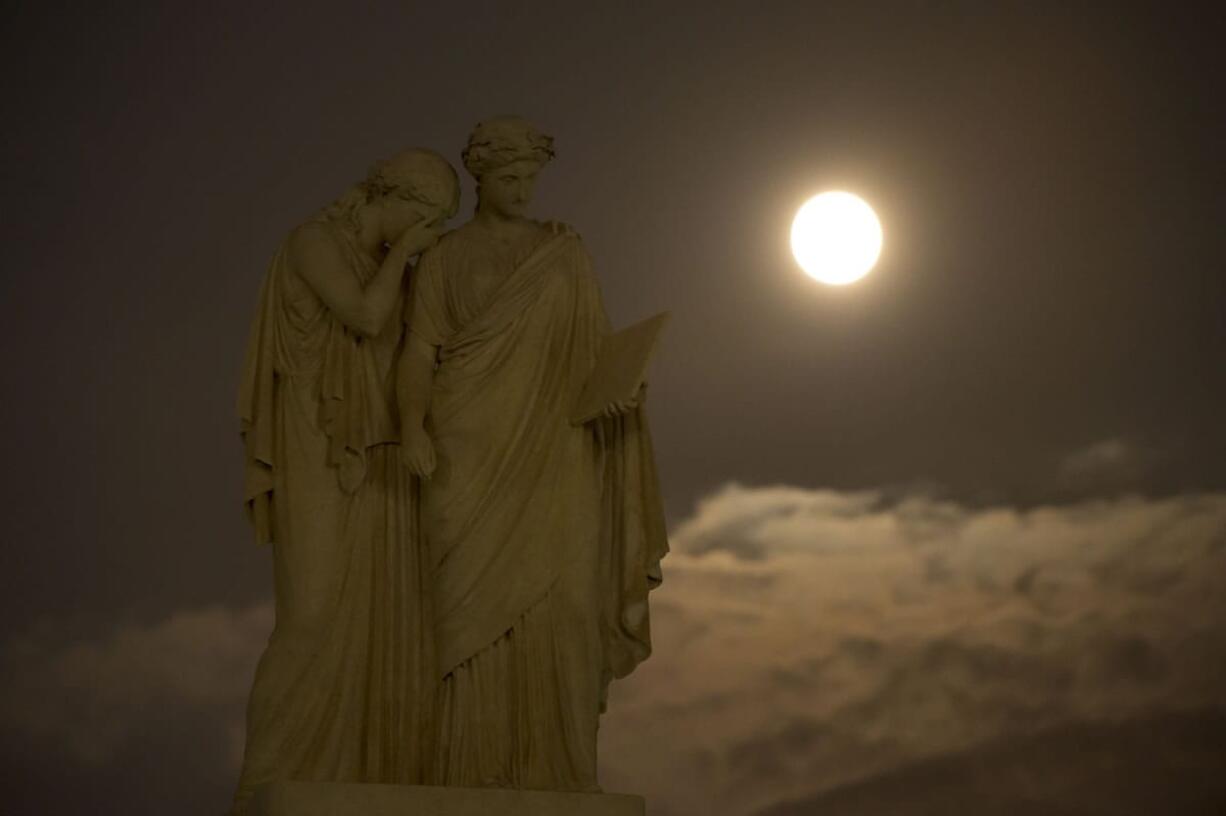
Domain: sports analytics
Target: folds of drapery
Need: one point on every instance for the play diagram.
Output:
(633, 541)
(255, 406)
(355, 406)
(523, 711)
(345, 689)
(518, 490)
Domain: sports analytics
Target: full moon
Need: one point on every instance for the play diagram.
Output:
(836, 238)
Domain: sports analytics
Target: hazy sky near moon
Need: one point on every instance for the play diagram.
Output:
(1045, 324)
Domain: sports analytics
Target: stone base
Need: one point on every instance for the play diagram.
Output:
(330, 799)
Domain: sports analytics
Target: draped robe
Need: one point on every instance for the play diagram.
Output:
(543, 538)
(343, 690)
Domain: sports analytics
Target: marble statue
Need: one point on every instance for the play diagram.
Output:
(344, 688)
(543, 537)
(462, 562)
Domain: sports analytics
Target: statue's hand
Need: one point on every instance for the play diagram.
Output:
(417, 453)
(620, 407)
(418, 238)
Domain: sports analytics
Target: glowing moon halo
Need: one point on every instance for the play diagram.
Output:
(836, 238)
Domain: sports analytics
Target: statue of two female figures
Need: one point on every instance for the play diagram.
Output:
(455, 619)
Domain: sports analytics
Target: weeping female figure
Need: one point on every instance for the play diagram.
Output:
(344, 689)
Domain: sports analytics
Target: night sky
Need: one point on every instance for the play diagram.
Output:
(963, 520)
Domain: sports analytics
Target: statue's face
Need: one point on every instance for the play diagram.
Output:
(508, 190)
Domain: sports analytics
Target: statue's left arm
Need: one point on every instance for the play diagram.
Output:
(426, 325)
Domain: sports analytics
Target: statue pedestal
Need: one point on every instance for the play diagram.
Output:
(330, 799)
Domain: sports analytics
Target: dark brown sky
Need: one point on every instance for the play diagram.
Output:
(1046, 325)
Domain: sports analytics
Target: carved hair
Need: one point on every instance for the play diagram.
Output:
(503, 140)
(420, 174)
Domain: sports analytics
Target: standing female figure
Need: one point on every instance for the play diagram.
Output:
(543, 537)
(342, 693)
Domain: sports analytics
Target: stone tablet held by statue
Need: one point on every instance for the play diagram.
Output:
(621, 368)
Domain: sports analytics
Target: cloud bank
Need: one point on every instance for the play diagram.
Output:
(90, 700)
(805, 639)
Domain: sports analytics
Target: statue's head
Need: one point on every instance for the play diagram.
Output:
(413, 185)
(504, 155)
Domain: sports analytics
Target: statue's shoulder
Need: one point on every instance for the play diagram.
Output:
(561, 228)
(308, 233)
(568, 239)
(313, 243)
(574, 248)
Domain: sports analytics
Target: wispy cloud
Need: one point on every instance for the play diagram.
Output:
(1106, 464)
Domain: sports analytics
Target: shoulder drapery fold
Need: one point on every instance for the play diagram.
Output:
(355, 406)
(256, 409)
(515, 295)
